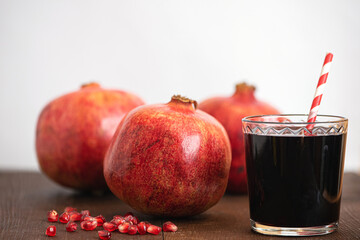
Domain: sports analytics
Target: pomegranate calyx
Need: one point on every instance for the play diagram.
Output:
(90, 84)
(244, 91)
(184, 100)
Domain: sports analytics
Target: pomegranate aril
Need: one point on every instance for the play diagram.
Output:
(87, 218)
(135, 220)
(85, 212)
(169, 227)
(64, 218)
(131, 219)
(71, 227)
(100, 220)
(133, 229)
(153, 229)
(104, 235)
(75, 216)
(147, 224)
(124, 228)
(128, 214)
(51, 231)
(117, 221)
(88, 225)
(117, 216)
(142, 228)
(70, 209)
(109, 226)
(52, 216)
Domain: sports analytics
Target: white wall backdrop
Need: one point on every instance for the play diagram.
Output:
(158, 48)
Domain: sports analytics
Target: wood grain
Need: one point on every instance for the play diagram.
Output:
(25, 198)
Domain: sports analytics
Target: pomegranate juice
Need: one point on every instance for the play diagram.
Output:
(295, 181)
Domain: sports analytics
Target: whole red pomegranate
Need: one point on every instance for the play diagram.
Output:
(74, 131)
(229, 111)
(169, 159)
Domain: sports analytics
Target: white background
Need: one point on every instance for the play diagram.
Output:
(158, 48)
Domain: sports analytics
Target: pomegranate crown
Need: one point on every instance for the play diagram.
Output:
(179, 98)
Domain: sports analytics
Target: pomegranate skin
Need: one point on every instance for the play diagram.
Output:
(74, 131)
(169, 159)
(229, 111)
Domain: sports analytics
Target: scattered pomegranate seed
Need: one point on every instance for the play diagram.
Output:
(85, 212)
(51, 231)
(128, 214)
(142, 228)
(64, 218)
(133, 229)
(134, 220)
(117, 221)
(147, 224)
(70, 209)
(124, 228)
(153, 229)
(109, 226)
(87, 218)
(71, 227)
(169, 227)
(53, 216)
(100, 220)
(104, 235)
(131, 219)
(88, 225)
(75, 216)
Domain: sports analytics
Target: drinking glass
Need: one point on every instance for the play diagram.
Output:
(295, 173)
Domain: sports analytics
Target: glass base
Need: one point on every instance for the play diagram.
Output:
(293, 231)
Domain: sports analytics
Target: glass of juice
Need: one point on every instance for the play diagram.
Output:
(295, 172)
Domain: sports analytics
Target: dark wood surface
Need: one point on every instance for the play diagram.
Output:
(25, 198)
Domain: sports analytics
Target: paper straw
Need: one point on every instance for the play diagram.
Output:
(320, 89)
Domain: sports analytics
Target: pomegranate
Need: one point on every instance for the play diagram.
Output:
(229, 111)
(169, 159)
(74, 131)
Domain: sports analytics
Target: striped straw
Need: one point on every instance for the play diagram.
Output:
(320, 89)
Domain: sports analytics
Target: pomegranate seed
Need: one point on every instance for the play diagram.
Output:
(117, 221)
(124, 228)
(51, 231)
(87, 218)
(169, 227)
(53, 216)
(128, 214)
(100, 220)
(142, 228)
(64, 218)
(153, 229)
(70, 209)
(88, 225)
(109, 226)
(117, 216)
(71, 227)
(147, 224)
(85, 212)
(135, 220)
(75, 216)
(132, 230)
(104, 235)
(131, 219)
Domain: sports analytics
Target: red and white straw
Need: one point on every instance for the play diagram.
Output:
(320, 88)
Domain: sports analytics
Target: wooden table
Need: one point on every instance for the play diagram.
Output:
(25, 198)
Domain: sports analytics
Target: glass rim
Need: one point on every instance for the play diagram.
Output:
(340, 119)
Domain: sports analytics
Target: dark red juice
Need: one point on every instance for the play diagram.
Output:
(295, 181)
